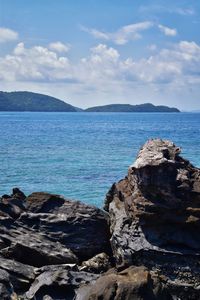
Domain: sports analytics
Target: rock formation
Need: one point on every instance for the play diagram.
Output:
(145, 245)
(155, 217)
(43, 240)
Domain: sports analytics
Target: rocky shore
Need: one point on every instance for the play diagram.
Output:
(144, 244)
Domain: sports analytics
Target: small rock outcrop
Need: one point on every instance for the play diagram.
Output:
(145, 245)
(155, 217)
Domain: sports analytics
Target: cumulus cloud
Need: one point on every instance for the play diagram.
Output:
(180, 63)
(100, 66)
(104, 68)
(123, 35)
(7, 35)
(36, 63)
(167, 31)
(59, 47)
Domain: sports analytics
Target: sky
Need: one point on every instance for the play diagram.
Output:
(92, 52)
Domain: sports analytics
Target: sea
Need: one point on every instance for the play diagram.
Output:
(80, 155)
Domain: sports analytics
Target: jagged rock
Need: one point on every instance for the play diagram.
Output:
(18, 194)
(15, 278)
(58, 282)
(97, 264)
(54, 231)
(49, 230)
(129, 284)
(32, 247)
(44, 203)
(12, 206)
(79, 227)
(155, 215)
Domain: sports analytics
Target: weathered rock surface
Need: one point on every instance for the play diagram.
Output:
(53, 230)
(58, 282)
(146, 246)
(98, 264)
(129, 284)
(47, 230)
(155, 217)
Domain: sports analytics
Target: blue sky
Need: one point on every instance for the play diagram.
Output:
(98, 52)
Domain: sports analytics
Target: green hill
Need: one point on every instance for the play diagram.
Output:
(28, 101)
(147, 107)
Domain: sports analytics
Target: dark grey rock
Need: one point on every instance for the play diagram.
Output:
(42, 244)
(54, 231)
(60, 281)
(79, 227)
(18, 194)
(12, 205)
(155, 216)
(15, 277)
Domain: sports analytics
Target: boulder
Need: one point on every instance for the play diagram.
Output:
(78, 226)
(40, 244)
(155, 216)
(129, 284)
(54, 230)
(58, 282)
(12, 205)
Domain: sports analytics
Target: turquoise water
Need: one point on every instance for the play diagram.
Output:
(80, 155)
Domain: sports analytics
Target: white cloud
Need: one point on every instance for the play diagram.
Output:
(123, 35)
(167, 31)
(102, 65)
(36, 63)
(104, 52)
(95, 33)
(190, 48)
(59, 47)
(7, 35)
(127, 33)
(104, 73)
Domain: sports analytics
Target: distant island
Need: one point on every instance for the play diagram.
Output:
(34, 102)
(28, 101)
(147, 107)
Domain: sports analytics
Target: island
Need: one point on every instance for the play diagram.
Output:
(146, 107)
(35, 102)
(28, 101)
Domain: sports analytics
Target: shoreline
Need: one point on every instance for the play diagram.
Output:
(135, 246)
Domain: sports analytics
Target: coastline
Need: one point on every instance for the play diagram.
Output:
(133, 247)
